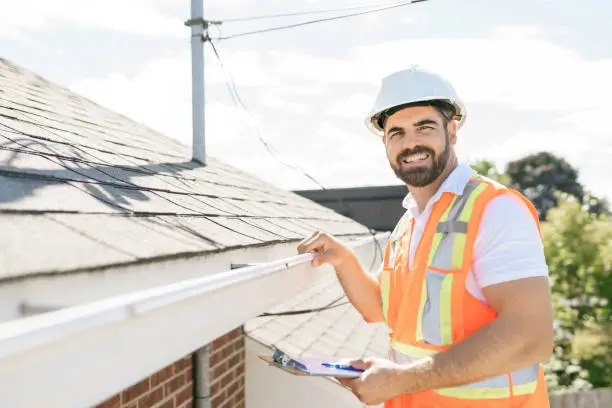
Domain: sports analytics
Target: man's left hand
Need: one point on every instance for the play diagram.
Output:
(380, 382)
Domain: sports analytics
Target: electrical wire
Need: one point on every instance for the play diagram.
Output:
(320, 20)
(334, 303)
(309, 12)
(231, 86)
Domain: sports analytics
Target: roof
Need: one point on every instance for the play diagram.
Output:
(337, 331)
(84, 188)
(377, 207)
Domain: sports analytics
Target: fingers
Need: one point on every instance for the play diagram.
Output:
(361, 364)
(306, 243)
(347, 382)
(317, 242)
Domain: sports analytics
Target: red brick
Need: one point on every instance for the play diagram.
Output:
(167, 404)
(112, 402)
(219, 370)
(227, 379)
(162, 375)
(182, 365)
(186, 394)
(219, 342)
(235, 360)
(233, 389)
(214, 359)
(189, 376)
(217, 401)
(234, 334)
(215, 388)
(135, 391)
(239, 395)
(152, 398)
(239, 402)
(174, 385)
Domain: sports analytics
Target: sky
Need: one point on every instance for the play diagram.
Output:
(534, 74)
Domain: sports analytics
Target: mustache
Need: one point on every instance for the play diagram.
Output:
(418, 149)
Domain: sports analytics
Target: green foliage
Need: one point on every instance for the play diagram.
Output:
(540, 176)
(578, 249)
(487, 168)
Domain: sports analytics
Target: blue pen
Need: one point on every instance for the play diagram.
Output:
(342, 367)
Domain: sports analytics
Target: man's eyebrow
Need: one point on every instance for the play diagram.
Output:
(395, 129)
(426, 122)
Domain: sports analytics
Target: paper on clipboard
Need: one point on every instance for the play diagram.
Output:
(313, 366)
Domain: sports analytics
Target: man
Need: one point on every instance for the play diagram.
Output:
(464, 283)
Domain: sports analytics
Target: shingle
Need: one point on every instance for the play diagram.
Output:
(211, 230)
(34, 243)
(140, 238)
(21, 193)
(340, 331)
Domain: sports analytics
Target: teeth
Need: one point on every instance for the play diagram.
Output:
(415, 157)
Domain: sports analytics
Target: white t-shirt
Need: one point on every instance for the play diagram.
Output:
(508, 246)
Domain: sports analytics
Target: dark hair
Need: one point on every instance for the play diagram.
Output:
(446, 109)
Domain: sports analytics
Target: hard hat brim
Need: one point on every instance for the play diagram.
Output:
(371, 121)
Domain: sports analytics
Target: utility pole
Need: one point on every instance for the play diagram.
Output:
(199, 27)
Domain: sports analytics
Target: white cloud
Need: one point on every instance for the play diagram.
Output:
(580, 139)
(356, 106)
(514, 67)
(146, 17)
(274, 101)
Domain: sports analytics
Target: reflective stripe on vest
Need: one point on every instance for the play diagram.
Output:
(434, 322)
(520, 382)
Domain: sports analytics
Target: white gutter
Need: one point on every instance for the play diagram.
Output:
(79, 356)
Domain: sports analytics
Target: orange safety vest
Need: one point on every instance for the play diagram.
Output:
(428, 308)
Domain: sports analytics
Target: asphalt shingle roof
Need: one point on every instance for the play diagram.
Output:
(339, 331)
(82, 187)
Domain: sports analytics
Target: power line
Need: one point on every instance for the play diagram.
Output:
(231, 86)
(265, 30)
(334, 303)
(309, 12)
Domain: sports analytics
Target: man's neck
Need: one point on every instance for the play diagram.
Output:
(422, 195)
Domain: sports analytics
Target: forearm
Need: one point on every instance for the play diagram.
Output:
(362, 289)
(504, 345)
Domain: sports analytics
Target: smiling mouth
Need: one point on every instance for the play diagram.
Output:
(415, 158)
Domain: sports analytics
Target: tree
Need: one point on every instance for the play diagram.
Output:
(578, 248)
(488, 169)
(539, 176)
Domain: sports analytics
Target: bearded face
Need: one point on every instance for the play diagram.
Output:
(418, 145)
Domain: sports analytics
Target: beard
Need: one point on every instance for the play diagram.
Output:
(422, 176)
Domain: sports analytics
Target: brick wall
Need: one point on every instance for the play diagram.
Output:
(227, 369)
(220, 381)
(171, 387)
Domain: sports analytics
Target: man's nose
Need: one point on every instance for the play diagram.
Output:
(410, 141)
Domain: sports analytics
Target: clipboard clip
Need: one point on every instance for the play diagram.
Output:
(285, 361)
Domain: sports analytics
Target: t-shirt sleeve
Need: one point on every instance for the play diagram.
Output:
(508, 245)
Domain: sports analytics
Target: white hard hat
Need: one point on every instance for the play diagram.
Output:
(410, 86)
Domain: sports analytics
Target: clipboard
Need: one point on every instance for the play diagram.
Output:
(310, 366)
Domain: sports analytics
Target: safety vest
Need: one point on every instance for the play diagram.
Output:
(428, 308)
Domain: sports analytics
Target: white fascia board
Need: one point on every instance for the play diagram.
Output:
(81, 355)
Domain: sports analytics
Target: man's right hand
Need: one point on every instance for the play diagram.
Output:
(326, 248)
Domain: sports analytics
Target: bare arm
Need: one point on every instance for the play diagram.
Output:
(362, 289)
(521, 335)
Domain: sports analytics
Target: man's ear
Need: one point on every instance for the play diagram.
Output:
(452, 132)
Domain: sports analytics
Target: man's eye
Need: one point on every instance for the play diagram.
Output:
(424, 128)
